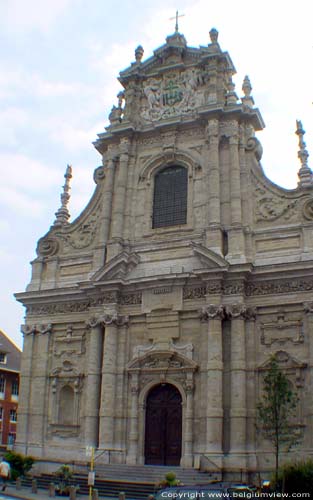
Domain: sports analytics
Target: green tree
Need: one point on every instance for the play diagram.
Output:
(276, 412)
(20, 464)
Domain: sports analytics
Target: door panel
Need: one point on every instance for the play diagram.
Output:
(163, 426)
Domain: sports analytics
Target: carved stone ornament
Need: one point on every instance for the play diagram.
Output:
(194, 293)
(282, 331)
(47, 247)
(271, 208)
(33, 329)
(212, 311)
(254, 145)
(308, 307)
(236, 311)
(83, 235)
(162, 361)
(294, 369)
(99, 174)
(307, 209)
(107, 320)
(84, 305)
(176, 93)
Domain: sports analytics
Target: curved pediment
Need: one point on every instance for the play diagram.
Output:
(160, 360)
(285, 361)
(117, 268)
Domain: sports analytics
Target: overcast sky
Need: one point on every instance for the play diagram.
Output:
(59, 62)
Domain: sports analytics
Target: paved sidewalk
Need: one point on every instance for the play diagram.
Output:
(26, 494)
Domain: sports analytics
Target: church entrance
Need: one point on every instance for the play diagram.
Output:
(163, 426)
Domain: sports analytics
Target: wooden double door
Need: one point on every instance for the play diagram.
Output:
(163, 429)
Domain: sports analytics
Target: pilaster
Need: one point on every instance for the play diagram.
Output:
(214, 233)
(106, 215)
(187, 457)
(25, 388)
(213, 314)
(132, 452)
(119, 202)
(235, 232)
(238, 411)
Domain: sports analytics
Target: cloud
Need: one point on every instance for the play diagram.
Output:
(20, 16)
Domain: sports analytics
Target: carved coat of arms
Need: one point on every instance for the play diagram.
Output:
(178, 93)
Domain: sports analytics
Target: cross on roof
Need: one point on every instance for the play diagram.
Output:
(176, 20)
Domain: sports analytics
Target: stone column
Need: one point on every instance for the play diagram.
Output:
(214, 234)
(92, 402)
(187, 458)
(119, 201)
(238, 411)
(109, 361)
(25, 389)
(214, 314)
(132, 453)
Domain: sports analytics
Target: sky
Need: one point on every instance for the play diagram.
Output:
(59, 62)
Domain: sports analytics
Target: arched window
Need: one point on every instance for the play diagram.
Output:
(66, 405)
(170, 197)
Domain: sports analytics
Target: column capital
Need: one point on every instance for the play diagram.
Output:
(240, 311)
(33, 329)
(212, 311)
(235, 311)
(308, 307)
(107, 319)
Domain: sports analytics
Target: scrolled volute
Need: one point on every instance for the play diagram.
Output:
(47, 247)
(254, 145)
(307, 209)
(99, 174)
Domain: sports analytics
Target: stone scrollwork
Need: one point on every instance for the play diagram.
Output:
(212, 311)
(307, 209)
(83, 236)
(254, 145)
(271, 208)
(47, 247)
(99, 174)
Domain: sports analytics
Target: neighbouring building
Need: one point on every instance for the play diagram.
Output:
(152, 317)
(10, 362)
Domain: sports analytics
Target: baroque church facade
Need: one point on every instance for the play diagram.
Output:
(152, 318)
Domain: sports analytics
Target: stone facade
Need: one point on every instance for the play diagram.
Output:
(118, 305)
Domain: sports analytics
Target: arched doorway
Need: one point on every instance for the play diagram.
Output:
(163, 430)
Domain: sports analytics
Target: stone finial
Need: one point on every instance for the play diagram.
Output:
(139, 54)
(62, 215)
(231, 96)
(305, 173)
(246, 88)
(214, 36)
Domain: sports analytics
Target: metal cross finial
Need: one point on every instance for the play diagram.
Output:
(176, 20)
